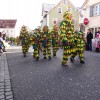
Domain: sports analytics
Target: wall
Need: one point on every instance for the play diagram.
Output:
(44, 21)
(93, 21)
(55, 14)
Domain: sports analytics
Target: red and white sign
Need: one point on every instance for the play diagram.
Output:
(86, 21)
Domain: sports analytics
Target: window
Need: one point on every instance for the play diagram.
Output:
(55, 21)
(65, 2)
(69, 9)
(96, 10)
(99, 8)
(91, 11)
(59, 10)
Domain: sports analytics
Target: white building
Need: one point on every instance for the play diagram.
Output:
(7, 26)
(90, 10)
(45, 9)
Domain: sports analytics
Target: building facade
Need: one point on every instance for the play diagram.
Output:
(45, 9)
(55, 15)
(7, 27)
(90, 10)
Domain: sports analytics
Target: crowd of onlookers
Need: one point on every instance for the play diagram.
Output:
(2, 43)
(90, 43)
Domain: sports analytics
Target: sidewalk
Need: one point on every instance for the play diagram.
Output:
(5, 84)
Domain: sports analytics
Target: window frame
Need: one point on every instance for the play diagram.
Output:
(54, 19)
(65, 2)
(58, 10)
(92, 11)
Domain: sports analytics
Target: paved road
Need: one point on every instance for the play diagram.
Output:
(48, 80)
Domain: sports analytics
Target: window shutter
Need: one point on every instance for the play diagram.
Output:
(91, 11)
(96, 10)
(64, 1)
(60, 10)
(99, 9)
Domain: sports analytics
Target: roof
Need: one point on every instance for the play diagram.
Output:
(59, 3)
(79, 11)
(7, 23)
(84, 3)
(54, 6)
(47, 7)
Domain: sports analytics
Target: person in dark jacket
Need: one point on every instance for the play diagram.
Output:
(89, 40)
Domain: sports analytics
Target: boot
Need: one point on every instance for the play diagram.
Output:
(64, 64)
(24, 54)
(54, 54)
(82, 62)
(49, 58)
(45, 57)
(71, 59)
(37, 58)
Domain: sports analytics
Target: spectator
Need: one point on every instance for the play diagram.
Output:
(97, 40)
(1, 42)
(89, 38)
(98, 32)
(4, 37)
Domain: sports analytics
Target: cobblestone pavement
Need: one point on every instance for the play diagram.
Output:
(5, 84)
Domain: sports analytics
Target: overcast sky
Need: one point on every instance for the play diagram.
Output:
(27, 12)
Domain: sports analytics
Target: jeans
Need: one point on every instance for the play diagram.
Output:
(89, 45)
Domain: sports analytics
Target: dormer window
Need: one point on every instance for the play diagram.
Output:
(60, 10)
(65, 2)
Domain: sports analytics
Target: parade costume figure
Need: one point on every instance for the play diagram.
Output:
(39, 40)
(46, 42)
(55, 39)
(35, 42)
(80, 44)
(25, 40)
(66, 33)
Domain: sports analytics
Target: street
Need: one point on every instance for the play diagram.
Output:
(49, 80)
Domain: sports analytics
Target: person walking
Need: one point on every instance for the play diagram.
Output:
(55, 39)
(80, 43)
(25, 40)
(66, 34)
(46, 42)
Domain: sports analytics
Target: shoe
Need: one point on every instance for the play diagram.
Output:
(54, 54)
(45, 57)
(34, 56)
(4, 51)
(24, 54)
(37, 58)
(82, 62)
(71, 59)
(49, 58)
(63, 64)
